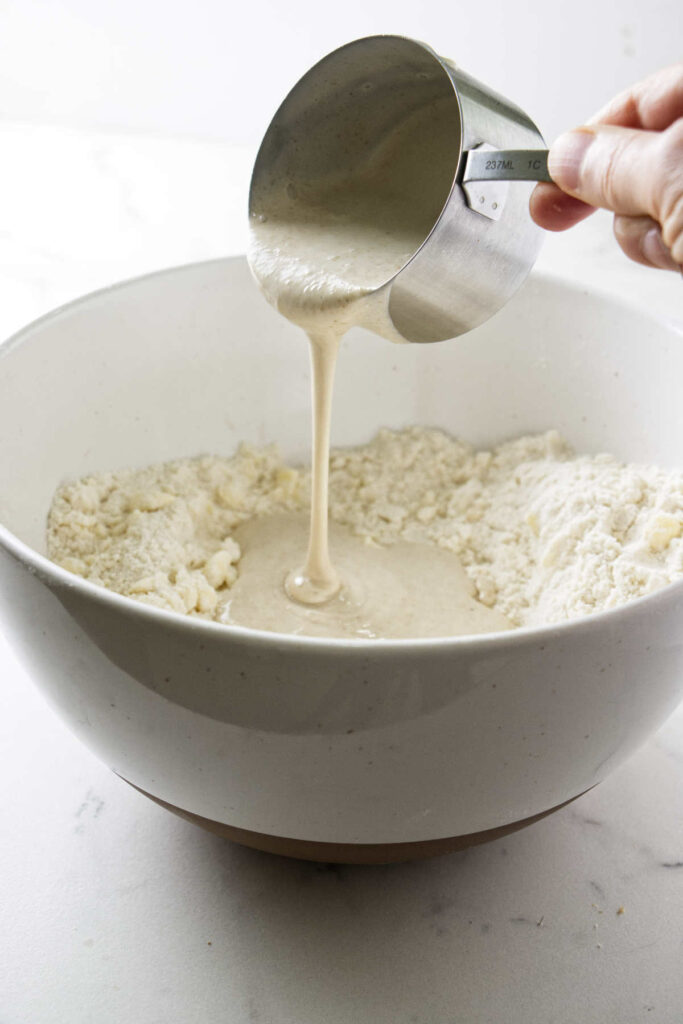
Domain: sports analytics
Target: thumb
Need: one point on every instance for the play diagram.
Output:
(615, 168)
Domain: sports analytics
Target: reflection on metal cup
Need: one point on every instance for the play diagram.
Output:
(462, 166)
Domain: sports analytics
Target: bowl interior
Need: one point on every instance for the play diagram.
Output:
(194, 360)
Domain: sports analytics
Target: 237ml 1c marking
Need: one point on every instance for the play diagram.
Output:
(499, 165)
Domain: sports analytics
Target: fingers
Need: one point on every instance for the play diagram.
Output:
(627, 159)
(653, 104)
(618, 169)
(609, 167)
(641, 240)
(554, 210)
(629, 171)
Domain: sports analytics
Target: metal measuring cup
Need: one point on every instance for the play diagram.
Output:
(465, 154)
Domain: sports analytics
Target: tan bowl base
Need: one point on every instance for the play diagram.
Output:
(351, 853)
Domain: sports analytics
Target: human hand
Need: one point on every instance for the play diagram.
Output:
(628, 159)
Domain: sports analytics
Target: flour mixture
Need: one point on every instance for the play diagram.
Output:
(434, 537)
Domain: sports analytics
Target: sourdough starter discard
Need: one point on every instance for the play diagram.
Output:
(321, 251)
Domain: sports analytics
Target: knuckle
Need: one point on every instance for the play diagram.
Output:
(629, 232)
(672, 228)
(670, 200)
(609, 175)
(673, 140)
(615, 164)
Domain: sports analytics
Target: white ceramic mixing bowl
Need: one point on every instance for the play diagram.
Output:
(350, 750)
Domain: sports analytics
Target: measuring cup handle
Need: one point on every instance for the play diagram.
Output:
(506, 165)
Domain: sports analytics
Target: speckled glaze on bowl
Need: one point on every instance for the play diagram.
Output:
(348, 750)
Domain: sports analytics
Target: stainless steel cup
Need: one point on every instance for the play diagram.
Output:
(461, 168)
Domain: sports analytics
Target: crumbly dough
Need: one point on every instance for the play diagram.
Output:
(544, 535)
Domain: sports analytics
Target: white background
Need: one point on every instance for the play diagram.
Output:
(217, 69)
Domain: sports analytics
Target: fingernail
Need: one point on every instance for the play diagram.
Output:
(655, 252)
(566, 157)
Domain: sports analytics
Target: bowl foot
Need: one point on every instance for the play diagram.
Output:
(352, 853)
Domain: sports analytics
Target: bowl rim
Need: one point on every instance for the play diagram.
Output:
(55, 576)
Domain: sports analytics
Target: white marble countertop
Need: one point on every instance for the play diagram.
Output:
(114, 910)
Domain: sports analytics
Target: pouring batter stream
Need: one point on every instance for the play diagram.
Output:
(322, 250)
(321, 271)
